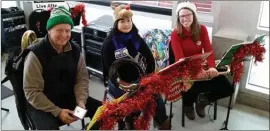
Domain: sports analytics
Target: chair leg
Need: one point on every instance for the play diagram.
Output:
(121, 125)
(29, 123)
(83, 124)
(5, 109)
(183, 114)
(171, 115)
(105, 95)
(215, 110)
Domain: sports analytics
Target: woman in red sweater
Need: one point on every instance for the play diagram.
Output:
(190, 38)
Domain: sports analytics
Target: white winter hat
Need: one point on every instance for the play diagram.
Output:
(186, 4)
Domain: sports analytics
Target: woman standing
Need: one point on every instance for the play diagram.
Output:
(122, 42)
(191, 38)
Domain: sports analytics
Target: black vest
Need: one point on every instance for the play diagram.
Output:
(58, 71)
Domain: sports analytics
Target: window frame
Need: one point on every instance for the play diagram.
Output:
(255, 91)
(250, 71)
(143, 8)
(259, 27)
(204, 17)
(260, 30)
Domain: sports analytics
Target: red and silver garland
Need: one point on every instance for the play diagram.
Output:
(78, 9)
(160, 83)
(255, 49)
(144, 99)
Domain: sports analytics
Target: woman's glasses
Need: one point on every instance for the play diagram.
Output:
(185, 16)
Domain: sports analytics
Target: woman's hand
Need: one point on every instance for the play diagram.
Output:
(202, 75)
(212, 72)
(187, 85)
(208, 74)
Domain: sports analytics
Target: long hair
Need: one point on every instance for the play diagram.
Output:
(195, 27)
(115, 30)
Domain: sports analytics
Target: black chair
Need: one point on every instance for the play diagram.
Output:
(183, 112)
(21, 107)
(24, 116)
(172, 60)
(2, 86)
(5, 109)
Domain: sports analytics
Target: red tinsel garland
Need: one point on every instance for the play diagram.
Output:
(144, 99)
(80, 8)
(160, 83)
(75, 11)
(255, 49)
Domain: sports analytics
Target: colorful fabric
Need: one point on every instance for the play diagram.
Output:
(158, 41)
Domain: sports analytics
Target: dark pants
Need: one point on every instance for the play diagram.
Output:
(217, 88)
(160, 115)
(46, 121)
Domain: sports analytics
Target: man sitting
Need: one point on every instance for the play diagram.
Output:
(55, 77)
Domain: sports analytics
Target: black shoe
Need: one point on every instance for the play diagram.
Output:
(189, 111)
(201, 103)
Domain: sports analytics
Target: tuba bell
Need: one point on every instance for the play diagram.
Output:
(126, 73)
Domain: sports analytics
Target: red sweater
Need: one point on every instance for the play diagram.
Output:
(186, 47)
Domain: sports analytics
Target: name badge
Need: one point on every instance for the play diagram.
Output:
(121, 53)
(199, 43)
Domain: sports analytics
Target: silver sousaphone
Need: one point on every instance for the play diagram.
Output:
(130, 67)
(127, 72)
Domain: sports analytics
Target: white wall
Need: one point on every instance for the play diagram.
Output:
(7, 4)
(239, 15)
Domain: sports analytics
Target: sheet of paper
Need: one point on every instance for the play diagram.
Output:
(79, 112)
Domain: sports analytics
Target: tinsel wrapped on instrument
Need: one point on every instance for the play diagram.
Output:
(143, 98)
(168, 82)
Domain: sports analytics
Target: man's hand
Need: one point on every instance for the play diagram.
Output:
(66, 116)
(82, 105)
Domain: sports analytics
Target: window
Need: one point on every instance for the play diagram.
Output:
(202, 6)
(160, 4)
(159, 7)
(7, 4)
(264, 16)
(254, 85)
(258, 79)
(259, 74)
